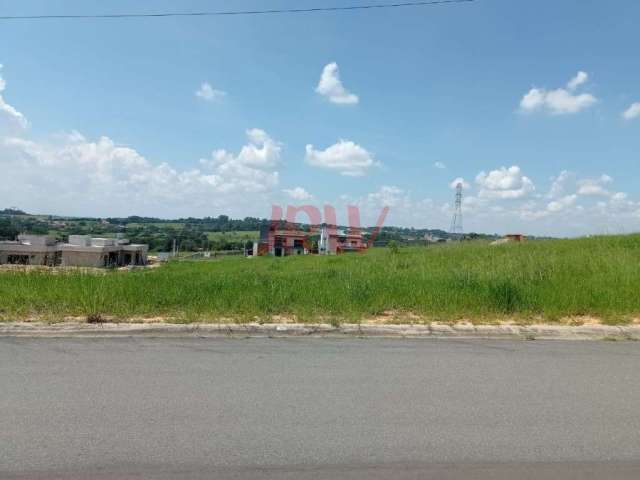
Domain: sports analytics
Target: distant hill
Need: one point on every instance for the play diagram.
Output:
(191, 234)
(12, 211)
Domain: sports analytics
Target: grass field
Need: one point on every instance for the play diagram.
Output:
(176, 225)
(538, 280)
(234, 236)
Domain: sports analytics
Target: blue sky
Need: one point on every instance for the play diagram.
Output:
(435, 85)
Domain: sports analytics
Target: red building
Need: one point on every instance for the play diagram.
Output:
(335, 241)
(283, 239)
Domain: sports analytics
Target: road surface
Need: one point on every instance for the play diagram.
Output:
(312, 408)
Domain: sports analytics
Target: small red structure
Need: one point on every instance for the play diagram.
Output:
(515, 237)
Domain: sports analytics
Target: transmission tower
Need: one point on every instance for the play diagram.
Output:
(456, 231)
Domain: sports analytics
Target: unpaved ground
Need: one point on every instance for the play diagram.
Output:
(387, 318)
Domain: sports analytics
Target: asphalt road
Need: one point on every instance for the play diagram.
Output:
(318, 408)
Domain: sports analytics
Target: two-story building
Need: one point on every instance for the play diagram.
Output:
(282, 239)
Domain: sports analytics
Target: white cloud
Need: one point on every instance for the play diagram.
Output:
(70, 174)
(330, 86)
(580, 78)
(559, 101)
(208, 93)
(387, 196)
(440, 165)
(504, 183)
(574, 213)
(261, 151)
(533, 100)
(345, 157)
(298, 193)
(8, 113)
(251, 169)
(562, 203)
(594, 186)
(566, 214)
(568, 182)
(559, 184)
(632, 112)
(454, 183)
(619, 196)
(473, 204)
(403, 208)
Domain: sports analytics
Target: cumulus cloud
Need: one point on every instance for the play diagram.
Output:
(562, 203)
(261, 151)
(632, 112)
(571, 209)
(504, 183)
(298, 193)
(440, 165)
(387, 196)
(594, 186)
(251, 169)
(344, 157)
(619, 196)
(560, 101)
(208, 93)
(404, 209)
(580, 78)
(568, 182)
(330, 86)
(9, 116)
(74, 175)
(559, 183)
(568, 213)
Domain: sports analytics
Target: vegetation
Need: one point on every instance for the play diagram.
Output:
(191, 234)
(534, 281)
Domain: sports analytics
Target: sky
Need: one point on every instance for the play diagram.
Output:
(534, 106)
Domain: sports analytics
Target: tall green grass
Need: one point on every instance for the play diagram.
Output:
(537, 280)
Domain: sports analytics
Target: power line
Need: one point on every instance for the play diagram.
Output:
(237, 12)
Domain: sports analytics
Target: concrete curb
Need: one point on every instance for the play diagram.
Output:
(434, 330)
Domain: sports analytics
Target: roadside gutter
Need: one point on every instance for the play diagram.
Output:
(525, 332)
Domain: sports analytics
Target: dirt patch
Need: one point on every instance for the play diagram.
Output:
(388, 317)
(580, 320)
(283, 319)
(392, 317)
